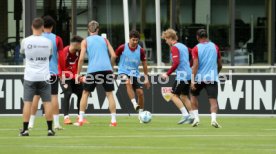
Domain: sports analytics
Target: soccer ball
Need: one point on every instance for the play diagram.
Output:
(145, 116)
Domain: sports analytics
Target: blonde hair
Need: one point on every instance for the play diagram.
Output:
(93, 26)
(170, 33)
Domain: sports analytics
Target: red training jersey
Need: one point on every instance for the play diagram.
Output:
(68, 62)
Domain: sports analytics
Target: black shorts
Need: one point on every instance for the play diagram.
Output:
(211, 89)
(54, 84)
(104, 78)
(72, 87)
(134, 81)
(181, 87)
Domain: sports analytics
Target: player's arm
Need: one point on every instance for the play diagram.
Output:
(195, 66)
(111, 53)
(119, 50)
(61, 62)
(219, 59)
(59, 44)
(145, 68)
(190, 57)
(175, 59)
(51, 50)
(82, 56)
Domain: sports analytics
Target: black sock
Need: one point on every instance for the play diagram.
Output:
(25, 126)
(49, 123)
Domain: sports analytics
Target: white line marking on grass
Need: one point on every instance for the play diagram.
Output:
(143, 136)
(8, 129)
(270, 129)
(103, 147)
(166, 129)
(14, 129)
(86, 146)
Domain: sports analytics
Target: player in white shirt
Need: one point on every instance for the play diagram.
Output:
(37, 50)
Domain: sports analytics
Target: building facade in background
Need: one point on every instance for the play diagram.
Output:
(253, 21)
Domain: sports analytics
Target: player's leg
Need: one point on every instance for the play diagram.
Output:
(185, 87)
(194, 103)
(55, 106)
(131, 93)
(185, 99)
(212, 91)
(83, 104)
(67, 91)
(49, 117)
(178, 103)
(26, 117)
(108, 86)
(176, 91)
(88, 87)
(78, 89)
(139, 92)
(112, 108)
(33, 110)
(29, 92)
(187, 103)
(45, 94)
(141, 100)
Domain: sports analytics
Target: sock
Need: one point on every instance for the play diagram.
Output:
(192, 114)
(184, 111)
(195, 113)
(133, 101)
(67, 116)
(31, 121)
(141, 110)
(49, 124)
(113, 117)
(81, 115)
(56, 120)
(25, 126)
(214, 116)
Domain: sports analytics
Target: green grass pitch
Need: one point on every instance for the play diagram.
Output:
(248, 135)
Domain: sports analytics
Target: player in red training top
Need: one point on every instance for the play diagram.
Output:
(68, 67)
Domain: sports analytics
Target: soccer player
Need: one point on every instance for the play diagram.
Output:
(181, 65)
(131, 54)
(99, 69)
(49, 24)
(68, 66)
(206, 66)
(37, 50)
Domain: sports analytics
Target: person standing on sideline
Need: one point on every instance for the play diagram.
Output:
(206, 66)
(99, 69)
(37, 51)
(131, 54)
(49, 24)
(181, 65)
(68, 66)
